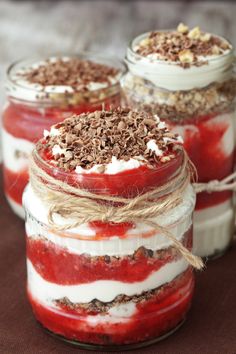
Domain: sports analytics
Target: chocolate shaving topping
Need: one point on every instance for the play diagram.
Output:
(182, 45)
(73, 72)
(93, 139)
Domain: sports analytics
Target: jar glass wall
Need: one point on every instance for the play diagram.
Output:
(106, 285)
(31, 108)
(197, 102)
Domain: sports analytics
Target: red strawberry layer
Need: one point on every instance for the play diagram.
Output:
(154, 317)
(25, 122)
(57, 265)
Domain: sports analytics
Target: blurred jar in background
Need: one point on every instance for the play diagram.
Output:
(42, 92)
(186, 77)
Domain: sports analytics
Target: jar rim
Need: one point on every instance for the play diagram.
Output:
(38, 94)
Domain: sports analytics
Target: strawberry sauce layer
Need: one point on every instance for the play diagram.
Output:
(127, 184)
(15, 183)
(55, 264)
(29, 123)
(154, 317)
(203, 140)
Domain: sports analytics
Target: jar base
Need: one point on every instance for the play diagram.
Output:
(212, 237)
(218, 254)
(112, 348)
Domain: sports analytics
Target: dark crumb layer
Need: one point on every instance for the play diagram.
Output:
(97, 306)
(74, 72)
(93, 139)
(182, 45)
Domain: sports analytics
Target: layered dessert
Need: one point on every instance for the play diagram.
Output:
(41, 93)
(106, 284)
(186, 76)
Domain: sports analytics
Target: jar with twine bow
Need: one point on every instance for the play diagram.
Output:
(109, 254)
(187, 76)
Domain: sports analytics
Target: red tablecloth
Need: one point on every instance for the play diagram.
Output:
(209, 328)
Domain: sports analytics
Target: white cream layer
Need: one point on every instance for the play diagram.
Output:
(177, 220)
(103, 290)
(15, 151)
(116, 314)
(114, 167)
(114, 246)
(171, 76)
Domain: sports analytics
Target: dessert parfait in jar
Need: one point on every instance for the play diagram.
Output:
(109, 230)
(186, 77)
(40, 92)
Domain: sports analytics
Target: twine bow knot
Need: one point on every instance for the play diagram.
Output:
(226, 184)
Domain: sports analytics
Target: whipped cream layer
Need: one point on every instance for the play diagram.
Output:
(15, 152)
(103, 290)
(114, 167)
(178, 220)
(20, 88)
(171, 76)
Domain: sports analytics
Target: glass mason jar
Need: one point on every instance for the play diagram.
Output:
(30, 110)
(106, 285)
(198, 103)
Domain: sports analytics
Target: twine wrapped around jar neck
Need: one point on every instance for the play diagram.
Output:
(82, 206)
